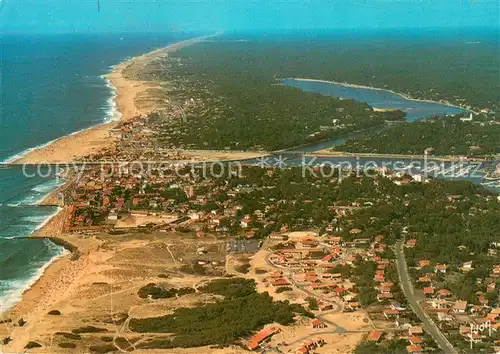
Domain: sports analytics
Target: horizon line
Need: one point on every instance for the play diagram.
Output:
(263, 30)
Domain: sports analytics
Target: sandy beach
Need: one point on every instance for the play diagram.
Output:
(94, 139)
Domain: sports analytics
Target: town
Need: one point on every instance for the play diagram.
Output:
(328, 245)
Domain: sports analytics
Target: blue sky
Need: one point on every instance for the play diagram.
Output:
(48, 16)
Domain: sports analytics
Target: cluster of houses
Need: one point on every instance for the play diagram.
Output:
(313, 271)
(138, 139)
(259, 340)
(413, 335)
(102, 196)
(455, 315)
(308, 346)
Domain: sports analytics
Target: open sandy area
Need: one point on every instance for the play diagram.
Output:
(97, 286)
(211, 155)
(131, 221)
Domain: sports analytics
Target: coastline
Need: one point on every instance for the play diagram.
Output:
(68, 148)
(330, 153)
(39, 298)
(17, 298)
(44, 289)
(50, 229)
(94, 139)
(402, 95)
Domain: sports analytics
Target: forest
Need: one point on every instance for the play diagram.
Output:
(242, 312)
(229, 92)
(444, 135)
(424, 64)
(233, 101)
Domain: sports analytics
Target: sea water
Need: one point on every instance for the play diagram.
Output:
(52, 86)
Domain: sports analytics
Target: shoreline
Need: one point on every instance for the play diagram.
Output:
(51, 225)
(95, 138)
(402, 95)
(68, 148)
(18, 295)
(33, 291)
(329, 153)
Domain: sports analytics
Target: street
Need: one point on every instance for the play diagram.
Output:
(407, 286)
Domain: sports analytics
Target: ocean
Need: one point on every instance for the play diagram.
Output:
(51, 86)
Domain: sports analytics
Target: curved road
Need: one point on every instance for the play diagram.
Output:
(407, 286)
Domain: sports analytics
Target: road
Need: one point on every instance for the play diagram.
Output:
(407, 286)
(338, 306)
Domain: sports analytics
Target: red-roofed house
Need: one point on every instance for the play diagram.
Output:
(414, 349)
(391, 313)
(381, 297)
(317, 323)
(325, 306)
(415, 340)
(411, 243)
(261, 336)
(385, 290)
(327, 258)
(415, 330)
(424, 280)
(309, 242)
(460, 307)
(443, 293)
(340, 291)
(374, 336)
(428, 291)
(279, 282)
(440, 268)
(424, 263)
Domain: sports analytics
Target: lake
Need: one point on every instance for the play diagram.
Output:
(377, 98)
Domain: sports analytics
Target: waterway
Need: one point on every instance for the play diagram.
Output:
(377, 98)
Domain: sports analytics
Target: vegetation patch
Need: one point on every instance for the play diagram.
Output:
(283, 288)
(88, 329)
(159, 292)
(446, 136)
(243, 268)
(312, 302)
(32, 345)
(106, 348)
(239, 314)
(68, 335)
(237, 103)
(67, 345)
(393, 346)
